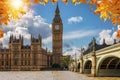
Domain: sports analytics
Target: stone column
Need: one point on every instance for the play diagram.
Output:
(81, 61)
(19, 61)
(12, 63)
(75, 66)
(81, 65)
(93, 69)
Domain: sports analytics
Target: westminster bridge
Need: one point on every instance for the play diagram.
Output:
(98, 60)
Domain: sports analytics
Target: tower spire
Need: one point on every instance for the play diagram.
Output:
(57, 11)
(57, 18)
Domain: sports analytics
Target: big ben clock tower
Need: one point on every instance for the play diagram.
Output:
(57, 31)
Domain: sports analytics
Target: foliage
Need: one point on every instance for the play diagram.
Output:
(108, 9)
(1, 33)
(55, 66)
(66, 61)
(9, 11)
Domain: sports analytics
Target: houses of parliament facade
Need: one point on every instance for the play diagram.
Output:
(33, 57)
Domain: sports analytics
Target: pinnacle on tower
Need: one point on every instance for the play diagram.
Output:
(57, 17)
(104, 41)
(57, 11)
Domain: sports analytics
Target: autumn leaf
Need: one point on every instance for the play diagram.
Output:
(36, 1)
(65, 1)
(1, 33)
(107, 9)
(45, 1)
(83, 1)
(76, 2)
(118, 34)
(54, 1)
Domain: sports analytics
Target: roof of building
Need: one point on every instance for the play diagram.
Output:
(96, 46)
(4, 50)
(26, 47)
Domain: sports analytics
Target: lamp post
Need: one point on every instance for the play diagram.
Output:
(75, 62)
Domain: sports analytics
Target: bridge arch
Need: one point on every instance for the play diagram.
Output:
(87, 67)
(109, 66)
(78, 65)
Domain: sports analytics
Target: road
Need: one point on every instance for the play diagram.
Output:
(48, 75)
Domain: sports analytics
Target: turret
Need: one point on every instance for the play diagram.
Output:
(40, 39)
(11, 38)
(104, 42)
(32, 38)
(21, 39)
(46, 50)
(115, 41)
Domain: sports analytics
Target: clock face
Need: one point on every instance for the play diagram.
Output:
(56, 27)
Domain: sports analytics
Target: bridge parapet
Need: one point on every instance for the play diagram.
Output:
(87, 56)
(100, 60)
(109, 49)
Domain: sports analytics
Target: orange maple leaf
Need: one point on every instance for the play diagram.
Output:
(36, 1)
(1, 33)
(65, 1)
(118, 34)
(54, 1)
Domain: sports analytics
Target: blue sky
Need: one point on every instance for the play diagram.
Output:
(90, 22)
(79, 26)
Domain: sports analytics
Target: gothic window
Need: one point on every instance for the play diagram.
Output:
(25, 55)
(25, 62)
(21, 55)
(15, 55)
(15, 59)
(7, 63)
(7, 56)
(35, 59)
(2, 62)
(15, 62)
(28, 62)
(35, 48)
(21, 62)
(29, 55)
(2, 56)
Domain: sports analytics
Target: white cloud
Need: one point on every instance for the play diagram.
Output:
(50, 26)
(75, 19)
(80, 34)
(74, 52)
(109, 39)
(67, 44)
(48, 39)
(28, 24)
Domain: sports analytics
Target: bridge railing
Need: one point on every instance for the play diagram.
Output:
(108, 49)
(87, 55)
